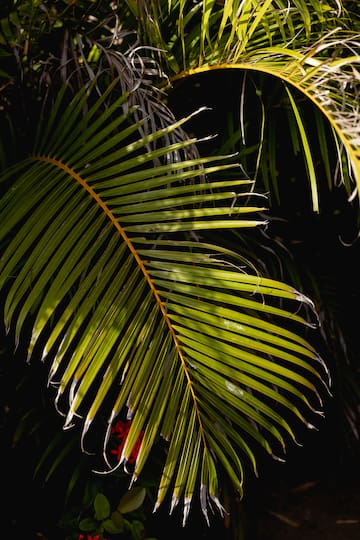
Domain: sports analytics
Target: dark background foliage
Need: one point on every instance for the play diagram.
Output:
(317, 251)
(318, 485)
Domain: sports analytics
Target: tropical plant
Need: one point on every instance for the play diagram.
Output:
(124, 255)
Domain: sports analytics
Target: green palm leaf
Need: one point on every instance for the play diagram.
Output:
(100, 259)
(299, 43)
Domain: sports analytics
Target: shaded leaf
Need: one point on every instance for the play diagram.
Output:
(102, 507)
(131, 500)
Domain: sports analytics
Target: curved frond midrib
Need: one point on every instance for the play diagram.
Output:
(101, 204)
(269, 69)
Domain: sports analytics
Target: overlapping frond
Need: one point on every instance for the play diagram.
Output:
(300, 42)
(101, 262)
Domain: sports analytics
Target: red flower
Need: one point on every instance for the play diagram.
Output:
(119, 431)
(89, 537)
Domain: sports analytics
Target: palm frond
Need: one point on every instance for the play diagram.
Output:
(298, 42)
(101, 261)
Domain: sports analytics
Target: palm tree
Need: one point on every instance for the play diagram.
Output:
(129, 261)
